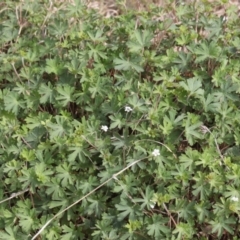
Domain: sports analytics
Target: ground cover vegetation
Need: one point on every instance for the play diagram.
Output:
(119, 128)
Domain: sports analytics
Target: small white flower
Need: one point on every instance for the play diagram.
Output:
(128, 109)
(235, 199)
(225, 18)
(156, 152)
(152, 204)
(104, 128)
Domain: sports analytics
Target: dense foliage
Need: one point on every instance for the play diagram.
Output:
(145, 103)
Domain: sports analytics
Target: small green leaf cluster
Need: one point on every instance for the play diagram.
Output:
(82, 97)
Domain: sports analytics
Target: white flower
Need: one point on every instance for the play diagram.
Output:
(152, 204)
(128, 109)
(235, 199)
(104, 128)
(156, 152)
(225, 19)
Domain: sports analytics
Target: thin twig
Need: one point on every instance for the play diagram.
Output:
(26, 142)
(79, 200)
(160, 144)
(169, 214)
(13, 195)
(205, 129)
(16, 71)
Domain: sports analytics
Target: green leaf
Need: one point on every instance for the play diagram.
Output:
(117, 121)
(87, 186)
(95, 207)
(182, 60)
(126, 209)
(133, 226)
(158, 227)
(146, 199)
(192, 129)
(202, 211)
(188, 159)
(233, 152)
(10, 234)
(35, 136)
(99, 87)
(78, 153)
(47, 93)
(60, 128)
(72, 232)
(201, 187)
(43, 174)
(141, 39)
(122, 64)
(221, 224)
(97, 52)
(193, 86)
(185, 210)
(98, 36)
(65, 94)
(137, 104)
(54, 189)
(76, 66)
(37, 121)
(64, 174)
(184, 231)
(206, 51)
(170, 121)
(121, 141)
(58, 203)
(26, 222)
(210, 104)
(12, 102)
(53, 66)
(58, 27)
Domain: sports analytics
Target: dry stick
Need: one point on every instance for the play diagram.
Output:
(169, 214)
(206, 129)
(94, 190)
(16, 71)
(13, 195)
(79, 200)
(6, 8)
(48, 15)
(26, 142)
